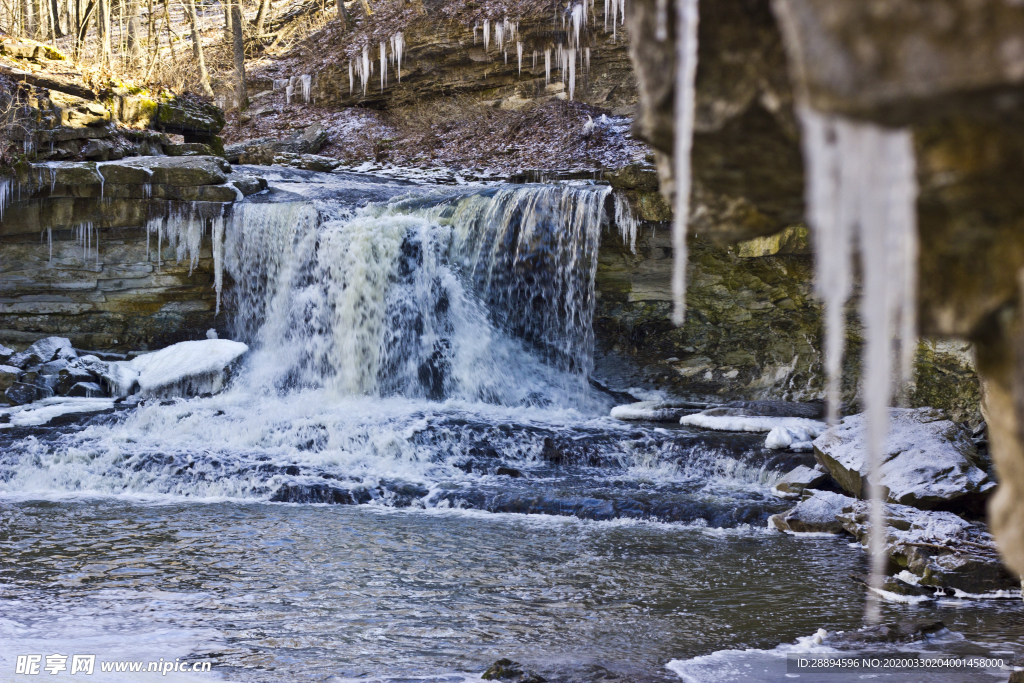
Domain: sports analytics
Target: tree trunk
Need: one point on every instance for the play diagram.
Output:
(134, 32)
(103, 30)
(365, 4)
(239, 50)
(343, 17)
(229, 34)
(58, 31)
(261, 17)
(197, 49)
(28, 18)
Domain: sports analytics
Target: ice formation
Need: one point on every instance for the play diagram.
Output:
(383, 65)
(862, 184)
(289, 90)
(627, 223)
(547, 67)
(397, 50)
(751, 423)
(487, 34)
(792, 438)
(351, 78)
(187, 368)
(519, 55)
(686, 72)
(571, 64)
(306, 80)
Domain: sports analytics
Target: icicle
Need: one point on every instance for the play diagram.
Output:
(686, 71)
(586, 59)
(397, 48)
(862, 178)
(365, 75)
(306, 81)
(217, 237)
(577, 22)
(499, 34)
(351, 81)
(572, 73)
(383, 65)
(288, 91)
(534, 60)
(519, 54)
(487, 35)
(626, 222)
(475, 27)
(547, 67)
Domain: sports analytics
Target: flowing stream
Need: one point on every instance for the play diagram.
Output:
(421, 362)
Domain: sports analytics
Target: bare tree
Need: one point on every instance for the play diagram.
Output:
(103, 29)
(343, 18)
(261, 16)
(235, 12)
(197, 48)
(134, 32)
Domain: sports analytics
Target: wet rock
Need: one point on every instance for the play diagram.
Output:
(86, 390)
(42, 351)
(8, 376)
(313, 493)
(897, 586)
(929, 462)
(247, 184)
(1016, 677)
(656, 411)
(902, 632)
(817, 514)
(941, 548)
(5, 354)
(100, 150)
(20, 393)
(507, 670)
(69, 376)
(814, 410)
(509, 472)
(794, 483)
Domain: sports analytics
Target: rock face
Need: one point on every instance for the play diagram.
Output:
(97, 277)
(442, 59)
(929, 462)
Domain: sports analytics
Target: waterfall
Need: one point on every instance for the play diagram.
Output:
(486, 296)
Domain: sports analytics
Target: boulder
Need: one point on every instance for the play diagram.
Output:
(189, 117)
(792, 438)
(817, 514)
(183, 171)
(185, 369)
(188, 149)
(20, 393)
(794, 483)
(86, 390)
(309, 141)
(8, 376)
(306, 162)
(5, 353)
(43, 351)
(70, 376)
(940, 548)
(929, 462)
(236, 150)
(247, 184)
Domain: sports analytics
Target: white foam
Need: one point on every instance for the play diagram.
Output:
(41, 412)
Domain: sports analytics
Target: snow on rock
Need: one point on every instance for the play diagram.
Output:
(43, 351)
(928, 461)
(5, 354)
(793, 438)
(711, 419)
(818, 514)
(794, 483)
(942, 549)
(44, 411)
(654, 411)
(188, 368)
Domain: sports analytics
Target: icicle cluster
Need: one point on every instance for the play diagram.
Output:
(686, 73)
(626, 222)
(397, 49)
(307, 81)
(862, 189)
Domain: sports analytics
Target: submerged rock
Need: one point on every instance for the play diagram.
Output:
(929, 462)
(507, 670)
(902, 632)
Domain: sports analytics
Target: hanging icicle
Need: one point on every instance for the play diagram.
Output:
(383, 65)
(351, 80)
(686, 72)
(487, 35)
(397, 49)
(519, 54)
(862, 189)
(586, 59)
(547, 67)
(572, 73)
(307, 81)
